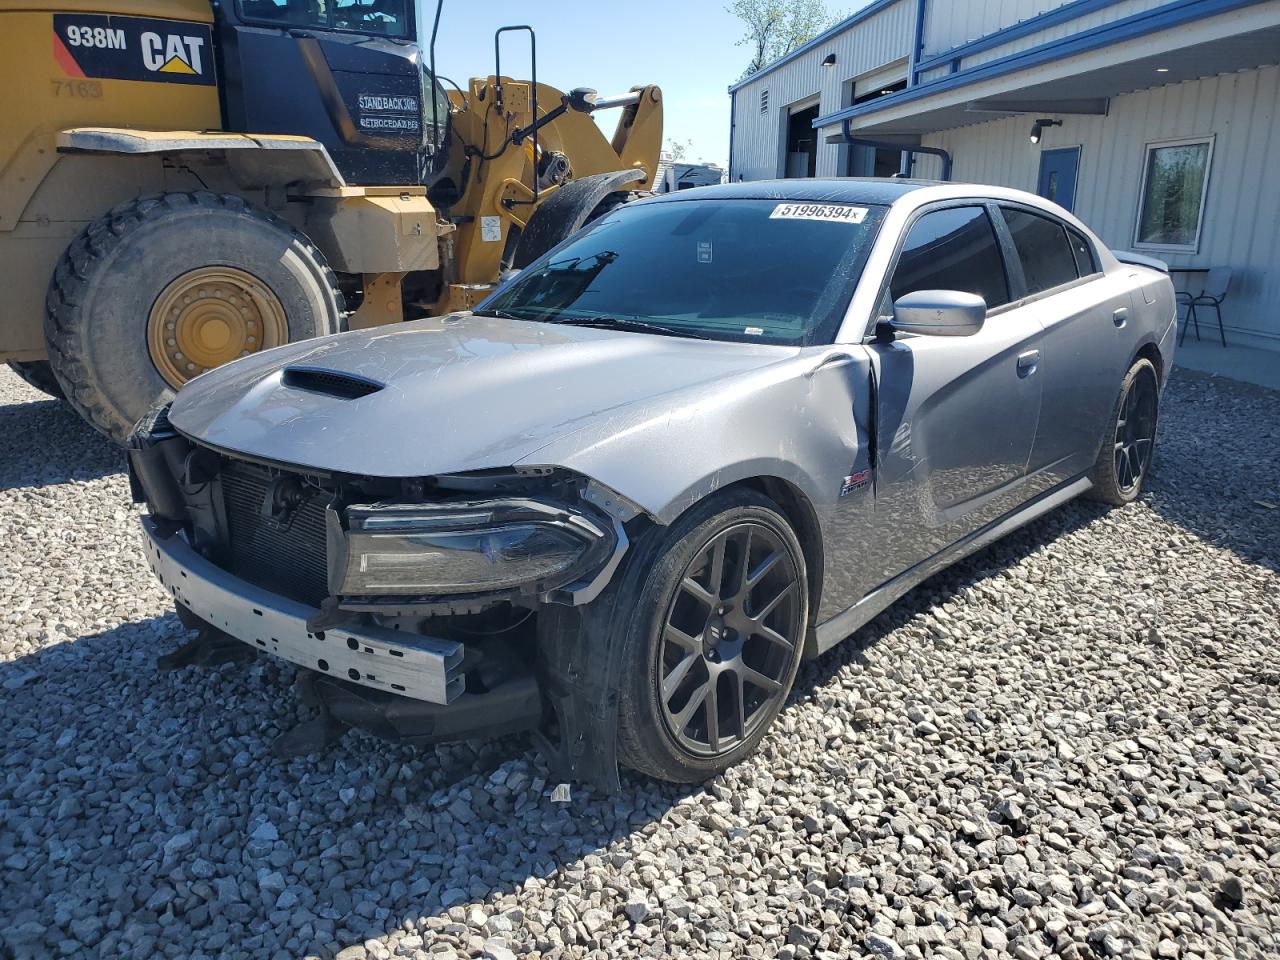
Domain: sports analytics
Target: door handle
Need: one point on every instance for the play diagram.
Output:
(1120, 317)
(1028, 363)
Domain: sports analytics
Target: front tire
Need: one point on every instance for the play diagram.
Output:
(167, 286)
(1124, 460)
(714, 641)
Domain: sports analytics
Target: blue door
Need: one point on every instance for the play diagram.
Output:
(1058, 176)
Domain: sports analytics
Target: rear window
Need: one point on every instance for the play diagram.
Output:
(1082, 250)
(763, 271)
(1046, 255)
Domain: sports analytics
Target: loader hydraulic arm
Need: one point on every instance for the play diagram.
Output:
(504, 178)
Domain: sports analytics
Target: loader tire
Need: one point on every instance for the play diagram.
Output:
(202, 272)
(37, 374)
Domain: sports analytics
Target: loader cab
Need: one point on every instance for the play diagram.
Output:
(348, 73)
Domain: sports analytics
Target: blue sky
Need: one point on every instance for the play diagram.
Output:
(686, 47)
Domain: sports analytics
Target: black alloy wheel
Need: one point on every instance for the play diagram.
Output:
(730, 639)
(1135, 434)
(1125, 458)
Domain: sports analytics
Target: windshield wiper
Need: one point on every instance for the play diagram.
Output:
(633, 324)
(499, 314)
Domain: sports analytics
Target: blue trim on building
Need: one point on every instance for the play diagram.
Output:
(1023, 28)
(1117, 31)
(917, 44)
(733, 122)
(868, 11)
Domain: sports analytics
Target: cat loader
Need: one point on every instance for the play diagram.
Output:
(185, 182)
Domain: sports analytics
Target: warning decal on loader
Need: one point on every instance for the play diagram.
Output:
(133, 48)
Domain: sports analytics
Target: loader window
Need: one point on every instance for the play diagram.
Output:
(747, 270)
(382, 17)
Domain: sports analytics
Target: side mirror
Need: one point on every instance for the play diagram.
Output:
(939, 313)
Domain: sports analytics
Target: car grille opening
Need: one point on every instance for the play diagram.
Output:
(291, 562)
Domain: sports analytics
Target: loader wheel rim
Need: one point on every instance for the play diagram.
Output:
(209, 316)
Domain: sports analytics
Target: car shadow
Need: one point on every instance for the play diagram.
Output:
(44, 442)
(941, 588)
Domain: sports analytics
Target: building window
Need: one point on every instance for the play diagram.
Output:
(764, 101)
(1175, 179)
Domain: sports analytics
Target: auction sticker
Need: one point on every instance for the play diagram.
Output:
(834, 212)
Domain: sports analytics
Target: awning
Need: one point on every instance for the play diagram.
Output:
(1077, 74)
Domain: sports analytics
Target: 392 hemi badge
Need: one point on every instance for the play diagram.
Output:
(133, 48)
(855, 481)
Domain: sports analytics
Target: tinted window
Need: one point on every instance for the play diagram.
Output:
(383, 17)
(1082, 250)
(1047, 260)
(953, 249)
(749, 270)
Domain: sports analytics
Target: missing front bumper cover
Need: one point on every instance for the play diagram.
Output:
(410, 665)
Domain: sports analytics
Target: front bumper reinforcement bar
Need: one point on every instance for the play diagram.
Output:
(410, 665)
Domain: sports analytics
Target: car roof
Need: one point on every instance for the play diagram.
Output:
(806, 190)
(871, 190)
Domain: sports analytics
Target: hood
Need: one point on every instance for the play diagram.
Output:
(448, 394)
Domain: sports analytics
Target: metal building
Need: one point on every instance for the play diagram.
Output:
(1154, 120)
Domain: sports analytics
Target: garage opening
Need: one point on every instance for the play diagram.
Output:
(802, 143)
(868, 161)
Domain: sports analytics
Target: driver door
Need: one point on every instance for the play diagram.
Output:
(956, 416)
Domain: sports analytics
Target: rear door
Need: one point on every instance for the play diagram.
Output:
(1084, 315)
(956, 416)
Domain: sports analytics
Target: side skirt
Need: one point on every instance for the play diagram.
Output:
(839, 627)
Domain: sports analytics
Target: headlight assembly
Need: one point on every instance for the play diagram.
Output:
(455, 549)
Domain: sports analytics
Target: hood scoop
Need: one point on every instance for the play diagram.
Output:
(333, 383)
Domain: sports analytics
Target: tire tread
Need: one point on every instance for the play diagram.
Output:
(68, 288)
(1106, 486)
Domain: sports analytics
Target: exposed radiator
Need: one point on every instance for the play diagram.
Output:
(290, 562)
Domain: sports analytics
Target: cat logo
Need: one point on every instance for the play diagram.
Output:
(145, 49)
(173, 53)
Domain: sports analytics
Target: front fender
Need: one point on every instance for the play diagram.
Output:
(792, 421)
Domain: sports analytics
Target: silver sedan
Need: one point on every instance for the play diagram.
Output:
(617, 503)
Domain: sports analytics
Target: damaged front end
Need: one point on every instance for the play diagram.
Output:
(421, 609)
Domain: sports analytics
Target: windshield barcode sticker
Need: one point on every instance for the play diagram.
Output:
(835, 212)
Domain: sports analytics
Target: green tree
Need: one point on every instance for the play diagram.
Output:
(679, 150)
(776, 27)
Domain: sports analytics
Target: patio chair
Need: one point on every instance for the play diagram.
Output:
(1216, 285)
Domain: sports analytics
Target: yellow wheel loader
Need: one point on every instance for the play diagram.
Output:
(185, 182)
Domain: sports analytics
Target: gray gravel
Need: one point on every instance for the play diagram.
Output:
(1069, 746)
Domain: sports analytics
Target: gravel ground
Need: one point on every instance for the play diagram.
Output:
(1068, 745)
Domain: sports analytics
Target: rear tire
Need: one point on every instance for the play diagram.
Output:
(38, 374)
(106, 348)
(1124, 460)
(674, 675)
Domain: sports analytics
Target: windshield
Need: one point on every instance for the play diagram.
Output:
(388, 18)
(763, 271)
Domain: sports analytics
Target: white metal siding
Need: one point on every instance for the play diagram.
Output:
(1242, 209)
(1079, 25)
(949, 23)
(868, 45)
